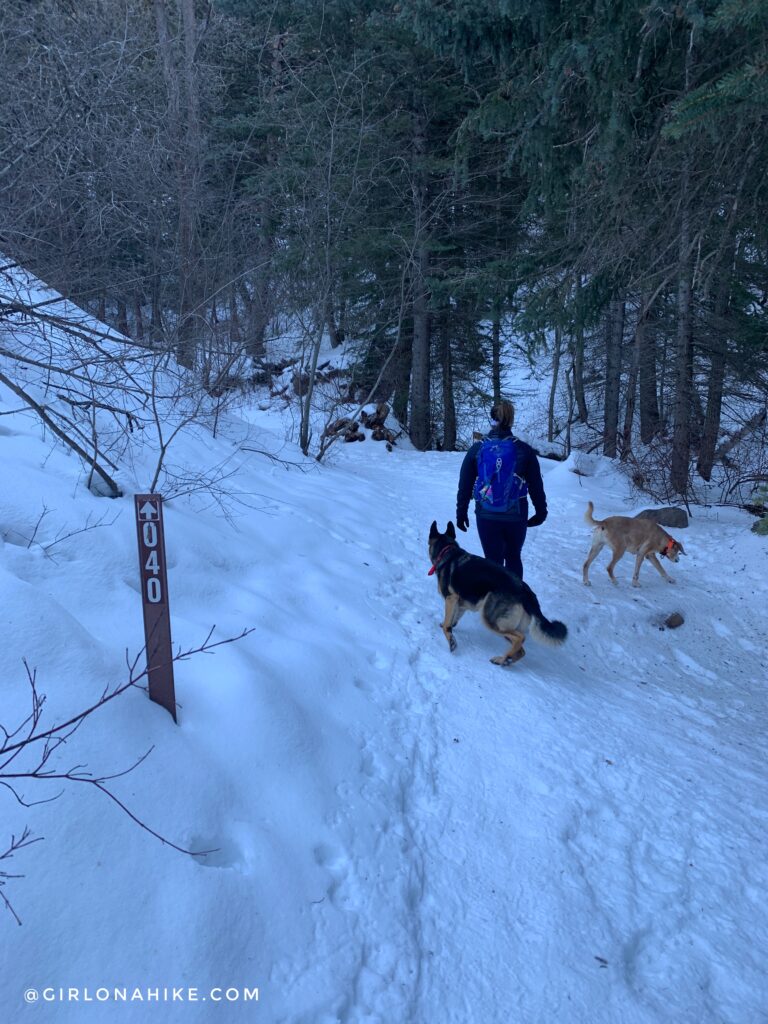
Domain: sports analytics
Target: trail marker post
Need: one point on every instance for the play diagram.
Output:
(154, 598)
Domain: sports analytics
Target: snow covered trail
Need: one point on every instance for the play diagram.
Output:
(400, 835)
(585, 829)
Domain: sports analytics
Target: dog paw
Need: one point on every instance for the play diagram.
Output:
(452, 644)
(635, 583)
(587, 583)
(504, 661)
(670, 580)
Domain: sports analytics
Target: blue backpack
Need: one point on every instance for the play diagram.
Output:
(498, 487)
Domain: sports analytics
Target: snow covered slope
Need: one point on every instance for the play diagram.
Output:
(398, 834)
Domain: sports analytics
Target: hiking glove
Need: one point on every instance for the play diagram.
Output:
(462, 521)
(538, 519)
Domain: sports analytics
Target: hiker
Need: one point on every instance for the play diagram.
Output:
(500, 472)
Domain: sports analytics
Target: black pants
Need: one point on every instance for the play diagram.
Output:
(503, 542)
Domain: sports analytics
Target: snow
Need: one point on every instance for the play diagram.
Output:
(396, 834)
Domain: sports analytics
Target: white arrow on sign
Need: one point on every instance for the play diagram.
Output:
(148, 511)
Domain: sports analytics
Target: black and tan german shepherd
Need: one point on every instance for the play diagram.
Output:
(507, 606)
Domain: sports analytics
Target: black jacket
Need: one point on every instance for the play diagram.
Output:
(527, 467)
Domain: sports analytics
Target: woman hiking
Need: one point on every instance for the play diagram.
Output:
(501, 472)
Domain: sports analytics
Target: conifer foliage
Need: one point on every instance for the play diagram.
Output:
(433, 181)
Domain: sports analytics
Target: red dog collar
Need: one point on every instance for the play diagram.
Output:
(437, 560)
(669, 546)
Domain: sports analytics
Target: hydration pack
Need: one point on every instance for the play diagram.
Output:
(498, 487)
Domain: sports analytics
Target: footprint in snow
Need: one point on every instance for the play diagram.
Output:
(333, 860)
(379, 661)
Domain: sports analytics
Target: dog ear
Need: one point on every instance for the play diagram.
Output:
(433, 531)
(451, 531)
(680, 548)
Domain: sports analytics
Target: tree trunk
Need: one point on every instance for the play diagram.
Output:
(419, 420)
(420, 369)
(235, 334)
(553, 386)
(497, 302)
(613, 345)
(718, 351)
(570, 419)
(261, 307)
(122, 319)
(259, 311)
(650, 418)
(394, 378)
(305, 435)
(401, 378)
(138, 318)
(184, 129)
(156, 316)
(683, 377)
(631, 400)
(334, 331)
(683, 366)
(189, 199)
(724, 264)
(714, 408)
(578, 359)
(449, 403)
(496, 352)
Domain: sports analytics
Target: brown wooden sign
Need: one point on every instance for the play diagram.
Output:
(154, 596)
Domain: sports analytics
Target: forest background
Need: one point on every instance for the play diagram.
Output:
(437, 181)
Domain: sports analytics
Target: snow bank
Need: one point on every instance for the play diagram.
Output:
(394, 833)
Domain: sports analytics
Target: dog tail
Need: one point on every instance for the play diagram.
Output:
(546, 632)
(588, 517)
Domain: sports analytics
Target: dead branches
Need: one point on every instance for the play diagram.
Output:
(349, 429)
(27, 751)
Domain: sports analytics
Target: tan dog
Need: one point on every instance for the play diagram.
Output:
(642, 537)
